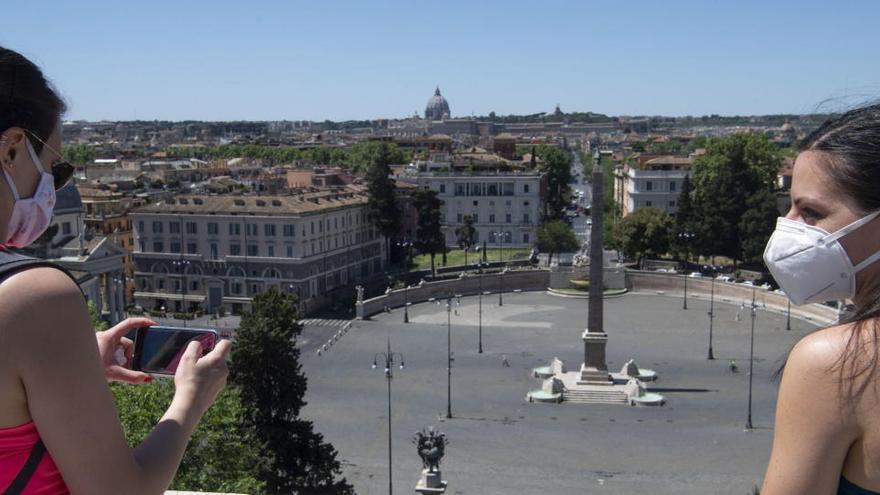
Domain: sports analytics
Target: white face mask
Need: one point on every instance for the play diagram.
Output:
(810, 264)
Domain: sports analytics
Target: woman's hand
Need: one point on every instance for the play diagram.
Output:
(109, 341)
(199, 378)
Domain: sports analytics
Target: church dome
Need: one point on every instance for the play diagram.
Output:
(437, 107)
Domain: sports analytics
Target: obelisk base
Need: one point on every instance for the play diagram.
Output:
(594, 371)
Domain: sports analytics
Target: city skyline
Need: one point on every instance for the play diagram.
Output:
(349, 61)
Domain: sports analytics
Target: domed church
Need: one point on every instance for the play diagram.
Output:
(437, 107)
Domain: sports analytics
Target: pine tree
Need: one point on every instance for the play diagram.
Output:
(429, 233)
(265, 368)
(382, 208)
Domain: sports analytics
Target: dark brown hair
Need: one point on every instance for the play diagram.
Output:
(27, 99)
(851, 142)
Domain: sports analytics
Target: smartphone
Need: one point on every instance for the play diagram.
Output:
(158, 349)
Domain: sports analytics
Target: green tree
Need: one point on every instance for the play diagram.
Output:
(222, 454)
(645, 231)
(266, 369)
(556, 237)
(382, 208)
(557, 167)
(684, 231)
(466, 235)
(80, 154)
(364, 156)
(429, 233)
(732, 169)
(757, 224)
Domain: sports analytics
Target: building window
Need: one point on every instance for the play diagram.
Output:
(476, 217)
(157, 227)
(158, 247)
(507, 189)
(235, 249)
(234, 229)
(252, 229)
(214, 251)
(649, 186)
(65, 228)
(507, 217)
(526, 190)
(459, 218)
(192, 248)
(525, 237)
(290, 251)
(442, 188)
(191, 228)
(140, 226)
(672, 186)
(491, 218)
(289, 230)
(672, 204)
(271, 251)
(476, 203)
(175, 247)
(526, 218)
(236, 287)
(649, 203)
(525, 203)
(212, 228)
(269, 229)
(252, 250)
(174, 228)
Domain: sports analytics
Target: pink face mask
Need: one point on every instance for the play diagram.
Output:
(30, 216)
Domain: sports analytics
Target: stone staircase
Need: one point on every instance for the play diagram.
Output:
(595, 396)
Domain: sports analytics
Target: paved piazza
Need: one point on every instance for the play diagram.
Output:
(501, 444)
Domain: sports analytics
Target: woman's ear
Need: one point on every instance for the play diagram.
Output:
(9, 140)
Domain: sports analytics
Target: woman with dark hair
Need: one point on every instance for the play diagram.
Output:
(59, 429)
(827, 433)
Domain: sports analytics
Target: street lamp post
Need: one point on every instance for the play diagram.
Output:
(788, 315)
(182, 266)
(389, 363)
(480, 310)
(711, 314)
(449, 358)
(751, 359)
(686, 238)
(407, 245)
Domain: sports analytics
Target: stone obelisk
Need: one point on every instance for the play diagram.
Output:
(594, 371)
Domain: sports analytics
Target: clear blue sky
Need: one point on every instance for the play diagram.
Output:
(316, 60)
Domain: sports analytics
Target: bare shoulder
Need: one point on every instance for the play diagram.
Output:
(35, 302)
(821, 349)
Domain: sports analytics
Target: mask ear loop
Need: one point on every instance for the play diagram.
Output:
(851, 227)
(34, 157)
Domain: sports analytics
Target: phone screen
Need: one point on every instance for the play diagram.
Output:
(159, 349)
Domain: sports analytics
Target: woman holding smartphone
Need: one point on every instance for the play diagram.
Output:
(827, 434)
(59, 429)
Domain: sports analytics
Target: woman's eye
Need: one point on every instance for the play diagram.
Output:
(811, 214)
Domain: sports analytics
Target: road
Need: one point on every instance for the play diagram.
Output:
(582, 189)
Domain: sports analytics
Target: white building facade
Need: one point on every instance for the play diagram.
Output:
(505, 206)
(656, 184)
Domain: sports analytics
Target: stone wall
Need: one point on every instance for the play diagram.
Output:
(524, 280)
(672, 283)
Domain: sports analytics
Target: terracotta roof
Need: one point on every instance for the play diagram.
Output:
(281, 205)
